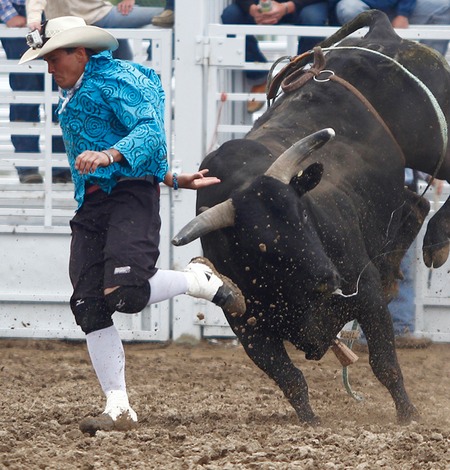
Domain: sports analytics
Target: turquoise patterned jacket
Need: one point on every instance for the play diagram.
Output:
(118, 105)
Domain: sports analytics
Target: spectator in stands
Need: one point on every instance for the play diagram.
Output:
(167, 18)
(402, 13)
(100, 13)
(112, 117)
(12, 13)
(315, 13)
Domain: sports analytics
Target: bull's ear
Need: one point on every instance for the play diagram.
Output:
(307, 179)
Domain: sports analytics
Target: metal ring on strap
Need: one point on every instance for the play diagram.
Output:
(322, 80)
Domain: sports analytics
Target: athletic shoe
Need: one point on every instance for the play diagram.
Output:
(206, 283)
(118, 415)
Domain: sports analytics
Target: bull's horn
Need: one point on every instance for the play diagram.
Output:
(215, 218)
(287, 165)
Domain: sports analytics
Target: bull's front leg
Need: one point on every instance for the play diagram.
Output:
(271, 356)
(383, 360)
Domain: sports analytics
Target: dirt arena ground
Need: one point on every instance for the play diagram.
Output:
(208, 407)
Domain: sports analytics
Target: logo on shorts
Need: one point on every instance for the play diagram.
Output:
(123, 270)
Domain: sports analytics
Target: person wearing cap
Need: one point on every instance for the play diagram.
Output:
(111, 114)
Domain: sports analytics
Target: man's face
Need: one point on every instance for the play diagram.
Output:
(66, 67)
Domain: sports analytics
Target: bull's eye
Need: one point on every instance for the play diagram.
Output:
(305, 217)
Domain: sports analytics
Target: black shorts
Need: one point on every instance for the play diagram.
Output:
(115, 238)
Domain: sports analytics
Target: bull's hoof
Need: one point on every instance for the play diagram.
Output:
(434, 256)
(436, 240)
(408, 415)
(104, 422)
(311, 419)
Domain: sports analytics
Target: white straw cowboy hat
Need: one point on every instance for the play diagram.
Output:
(71, 31)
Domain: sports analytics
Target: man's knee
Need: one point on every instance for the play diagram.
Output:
(91, 314)
(232, 14)
(313, 15)
(128, 299)
(346, 10)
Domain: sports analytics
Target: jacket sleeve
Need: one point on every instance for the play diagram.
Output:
(7, 11)
(140, 108)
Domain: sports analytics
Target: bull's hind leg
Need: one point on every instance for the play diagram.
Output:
(414, 213)
(379, 332)
(272, 358)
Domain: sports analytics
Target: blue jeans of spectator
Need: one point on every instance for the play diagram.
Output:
(14, 49)
(426, 12)
(311, 15)
(170, 5)
(138, 17)
(402, 307)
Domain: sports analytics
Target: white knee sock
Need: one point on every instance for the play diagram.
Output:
(166, 284)
(108, 358)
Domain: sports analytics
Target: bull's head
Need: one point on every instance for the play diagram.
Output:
(285, 167)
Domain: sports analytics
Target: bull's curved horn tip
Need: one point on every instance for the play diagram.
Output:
(330, 131)
(176, 241)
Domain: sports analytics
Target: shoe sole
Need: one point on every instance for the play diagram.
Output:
(229, 297)
(104, 422)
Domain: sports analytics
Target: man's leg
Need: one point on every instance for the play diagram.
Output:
(200, 280)
(138, 17)
(232, 14)
(257, 79)
(432, 12)
(402, 306)
(311, 15)
(346, 10)
(114, 251)
(86, 269)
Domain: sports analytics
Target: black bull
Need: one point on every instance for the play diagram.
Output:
(314, 237)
